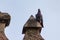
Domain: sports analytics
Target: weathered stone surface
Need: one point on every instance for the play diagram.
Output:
(31, 23)
(32, 34)
(5, 18)
(2, 26)
(32, 30)
(4, 21)
(2, 35)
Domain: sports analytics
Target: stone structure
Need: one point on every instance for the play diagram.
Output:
(4, 21)
(32, 28)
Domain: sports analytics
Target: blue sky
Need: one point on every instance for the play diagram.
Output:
(20, 11)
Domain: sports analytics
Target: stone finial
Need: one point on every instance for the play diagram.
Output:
(32, 28)
(4, 21)
(31, 23)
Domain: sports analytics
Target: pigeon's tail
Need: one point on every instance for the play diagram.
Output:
(39, 17)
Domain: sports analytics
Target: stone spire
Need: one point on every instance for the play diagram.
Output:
(4, 21)
(32, 29)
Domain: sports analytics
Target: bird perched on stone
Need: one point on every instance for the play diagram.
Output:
(39, 17)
